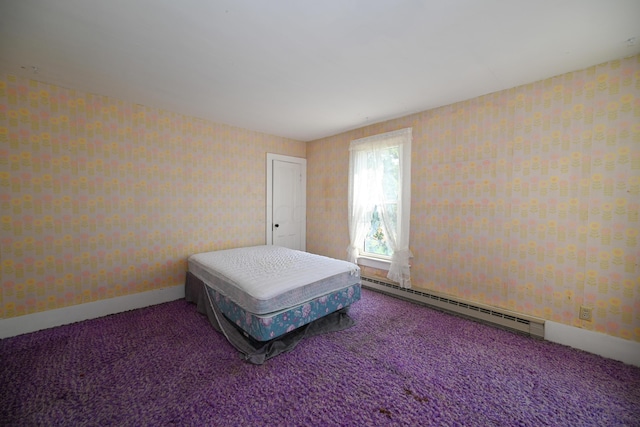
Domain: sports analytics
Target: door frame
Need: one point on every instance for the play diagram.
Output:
(269, 202)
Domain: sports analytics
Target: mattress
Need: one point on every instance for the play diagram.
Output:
(267, 279)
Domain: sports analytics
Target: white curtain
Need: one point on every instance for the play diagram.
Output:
(366, 191)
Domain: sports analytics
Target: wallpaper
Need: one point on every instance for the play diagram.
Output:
(526, 199)
(102, 198)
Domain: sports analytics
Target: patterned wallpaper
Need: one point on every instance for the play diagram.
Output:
(102, 198)
(526, 199)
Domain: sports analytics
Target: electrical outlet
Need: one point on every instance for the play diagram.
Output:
(586, 313)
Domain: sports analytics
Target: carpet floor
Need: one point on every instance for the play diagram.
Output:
(401, 364)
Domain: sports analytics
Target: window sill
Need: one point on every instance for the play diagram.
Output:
(380, 264)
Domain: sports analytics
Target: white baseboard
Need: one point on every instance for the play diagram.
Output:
(77, 313)
(594, 342)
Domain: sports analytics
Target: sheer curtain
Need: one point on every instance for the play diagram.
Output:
(366, 172)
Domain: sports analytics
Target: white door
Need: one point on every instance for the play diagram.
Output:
(286, 202)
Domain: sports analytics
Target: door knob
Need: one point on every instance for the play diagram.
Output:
(276, 225)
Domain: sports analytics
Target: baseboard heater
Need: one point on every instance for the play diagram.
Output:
(532, 326)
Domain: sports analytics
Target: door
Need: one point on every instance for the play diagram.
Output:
(286, 202)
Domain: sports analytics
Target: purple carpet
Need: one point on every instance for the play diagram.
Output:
(401, 364)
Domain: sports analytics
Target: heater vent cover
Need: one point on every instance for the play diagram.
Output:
(530, 325)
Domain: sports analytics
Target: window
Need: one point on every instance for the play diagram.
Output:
(380, 200)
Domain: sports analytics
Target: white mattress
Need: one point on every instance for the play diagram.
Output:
(264, 279)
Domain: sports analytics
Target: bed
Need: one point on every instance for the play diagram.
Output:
(265, 299)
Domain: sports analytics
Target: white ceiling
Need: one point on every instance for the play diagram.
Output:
(305, 69)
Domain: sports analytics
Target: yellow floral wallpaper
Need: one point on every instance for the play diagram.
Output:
(526, 199)
(102, 198)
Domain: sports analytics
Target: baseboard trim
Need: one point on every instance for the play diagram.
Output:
(594, 342)
(77, 313)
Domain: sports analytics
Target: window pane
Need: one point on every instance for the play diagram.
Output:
(390, 181)
(375, 241)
